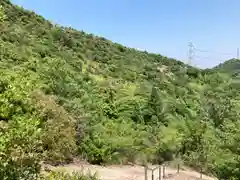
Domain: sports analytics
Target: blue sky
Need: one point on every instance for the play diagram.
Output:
(161, 26)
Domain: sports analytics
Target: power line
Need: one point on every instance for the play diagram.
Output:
(209, 58)
(208, 54)
(203, 57)
(207, 51)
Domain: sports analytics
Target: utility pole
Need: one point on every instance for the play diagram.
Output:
(237, 53)
(190, 53)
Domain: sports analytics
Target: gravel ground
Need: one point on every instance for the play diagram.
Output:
(125, 172)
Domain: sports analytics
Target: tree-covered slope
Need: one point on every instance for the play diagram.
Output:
(231, 67)
(66, 94)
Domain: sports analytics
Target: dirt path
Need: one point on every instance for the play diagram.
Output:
(131, 172)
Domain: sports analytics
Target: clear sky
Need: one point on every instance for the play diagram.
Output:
(161, 26)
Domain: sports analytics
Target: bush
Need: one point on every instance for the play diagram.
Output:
(115, 142)
(58, 130)
(67, 176)
(20, 143)
(19, 147)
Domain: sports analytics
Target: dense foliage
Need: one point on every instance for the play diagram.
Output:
(66, 94)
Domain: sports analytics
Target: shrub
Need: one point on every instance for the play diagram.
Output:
(19, 147)
(66, 176)
(20, 143)
(58, 130)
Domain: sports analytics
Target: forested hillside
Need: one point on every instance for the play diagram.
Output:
(231, 67)
(67, 94)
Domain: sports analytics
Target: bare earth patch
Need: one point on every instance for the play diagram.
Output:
(118, 172)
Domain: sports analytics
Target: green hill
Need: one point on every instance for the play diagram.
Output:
(231, 67)
(67, 94)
